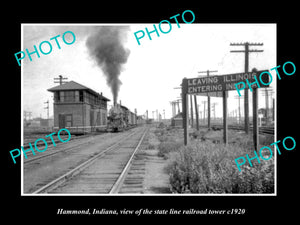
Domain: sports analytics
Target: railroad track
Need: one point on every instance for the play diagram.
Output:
(60, 148)
(27, 140)
(103, 173)
(74, 140)
(262, 130)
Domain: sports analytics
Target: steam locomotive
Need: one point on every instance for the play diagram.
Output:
(120, 118)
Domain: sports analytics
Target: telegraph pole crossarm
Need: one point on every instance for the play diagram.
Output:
(60, 80)
(248, 51)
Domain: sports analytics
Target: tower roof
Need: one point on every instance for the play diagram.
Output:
(72, 86)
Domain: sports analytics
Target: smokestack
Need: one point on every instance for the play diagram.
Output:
(106, 47)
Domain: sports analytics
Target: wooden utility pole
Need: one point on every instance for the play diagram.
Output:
(47, 102)
(273, 110)
(240, 118)
(267, 106)
(214, 109)
(178, 101)
(255, 116)
(60, 80)
(239, 109)
(196, 112)
(204, 102)
(173, 108)
(192, 113)
(172, 104)
(225, 123)
(246, 51)
(208, 98)
(184, 110)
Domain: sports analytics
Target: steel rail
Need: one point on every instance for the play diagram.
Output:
(118, 184)
(58, 181)
(262, 130)
(54, 152)
(79, 144)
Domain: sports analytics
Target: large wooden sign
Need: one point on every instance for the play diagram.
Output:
(224, 82)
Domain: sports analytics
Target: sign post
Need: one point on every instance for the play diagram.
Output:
(255, 117)
(184, 110)
(196, 112)
(192, 116)
(225, 124)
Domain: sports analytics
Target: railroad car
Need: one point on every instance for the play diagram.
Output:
(117, 119)
(120, 118)
(131, 119)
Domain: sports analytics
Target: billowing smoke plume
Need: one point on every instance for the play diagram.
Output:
(106, 47)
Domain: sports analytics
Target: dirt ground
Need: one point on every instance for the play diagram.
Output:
(156, 179)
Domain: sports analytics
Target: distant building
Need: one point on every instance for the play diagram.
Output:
(266, 116)
(140, 120)
(40, 122)
(176, 121)
(46, 122)
(78, 108)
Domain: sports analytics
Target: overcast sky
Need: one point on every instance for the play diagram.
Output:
(153, 68)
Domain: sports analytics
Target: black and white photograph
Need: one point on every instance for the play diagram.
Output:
(112, 103)
(169, 112)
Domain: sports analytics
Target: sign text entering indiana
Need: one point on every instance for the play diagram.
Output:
(223, 82)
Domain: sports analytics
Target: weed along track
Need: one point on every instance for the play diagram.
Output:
(103, 173)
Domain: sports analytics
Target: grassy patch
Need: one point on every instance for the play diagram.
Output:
(170, 141)
(210, 168)
(206, 167)
(167, 147)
